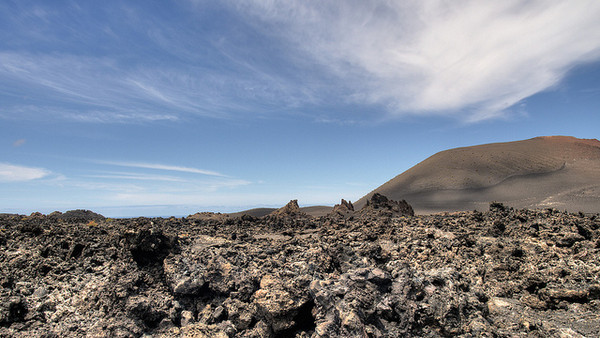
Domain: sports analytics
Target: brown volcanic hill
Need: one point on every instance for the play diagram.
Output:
(553, 171)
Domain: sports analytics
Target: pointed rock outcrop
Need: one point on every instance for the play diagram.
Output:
(344, 209)
(291, 209)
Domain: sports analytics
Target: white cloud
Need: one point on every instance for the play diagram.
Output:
(16, 173)
(104, 91)
(466, 57)
(432, 56)
(158, 166)
(156, 188)
(120, 116)
(137, 177)
(86, 115)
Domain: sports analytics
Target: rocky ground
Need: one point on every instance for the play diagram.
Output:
(375, 272)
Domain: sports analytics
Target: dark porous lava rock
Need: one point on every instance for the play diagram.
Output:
(375, 272)
(76, 216)
(343, 210)
(381, 206)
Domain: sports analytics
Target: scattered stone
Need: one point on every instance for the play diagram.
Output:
(376, 272)
(187, 318)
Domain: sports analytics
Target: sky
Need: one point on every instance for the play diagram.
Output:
(160, 108)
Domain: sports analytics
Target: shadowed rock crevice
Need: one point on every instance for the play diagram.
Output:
(13, 310)
(149, 247)
(304, 321)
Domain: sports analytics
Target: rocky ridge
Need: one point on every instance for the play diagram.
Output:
(379, 272)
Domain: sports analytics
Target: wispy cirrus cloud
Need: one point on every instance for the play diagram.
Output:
(158, 166)
(91, 89)
(135, 176)
(84, 115)
(99, 89)
(162, 178)
(473, 58)
(466, 58)
(67, 61)
(18, 173)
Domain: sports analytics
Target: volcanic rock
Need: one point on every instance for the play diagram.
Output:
(499, 273)
(344, 209)
(291, 210)
(380, 205)
(76, 216)
(208, 216)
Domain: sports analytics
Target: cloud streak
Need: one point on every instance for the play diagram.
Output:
(17, 173)
(91, 89)
(136, 177)
(157, 166)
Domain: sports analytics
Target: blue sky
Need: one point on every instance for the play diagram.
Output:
(172, 107)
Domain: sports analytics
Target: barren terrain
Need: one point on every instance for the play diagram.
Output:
(374, 272)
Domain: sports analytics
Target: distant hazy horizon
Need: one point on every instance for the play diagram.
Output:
(133, 211)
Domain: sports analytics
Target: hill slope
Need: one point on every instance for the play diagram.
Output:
(555, 171)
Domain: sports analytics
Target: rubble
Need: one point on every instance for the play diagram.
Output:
(376, 272)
